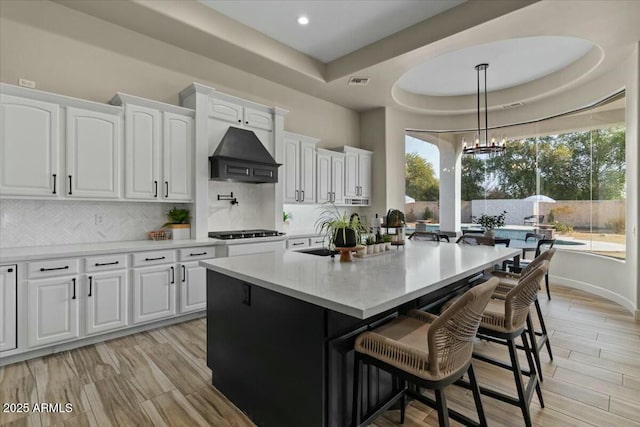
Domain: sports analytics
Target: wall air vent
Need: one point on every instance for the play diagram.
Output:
(514, 105)
(359, 81)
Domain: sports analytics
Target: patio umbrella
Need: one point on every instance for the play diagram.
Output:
(540, 198)
(408, 199)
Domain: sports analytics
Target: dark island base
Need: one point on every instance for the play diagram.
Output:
(285, 362)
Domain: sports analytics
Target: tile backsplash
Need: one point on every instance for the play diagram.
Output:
(255, 208)
(53, 222)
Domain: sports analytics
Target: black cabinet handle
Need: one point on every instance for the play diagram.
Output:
(10, 270)
(198, 254)
(184, 273)
(297, 195)
(70, 186)
(100, 264)
(155, 188)
(154, 259)
(90, 285)
(173, 275)
(239, 121)
(74, 288)
(54, 269)
(302, 195)
(246, 122)
(166, 189)
(298, 244)
(54, 183)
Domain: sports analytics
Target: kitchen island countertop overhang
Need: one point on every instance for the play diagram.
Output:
(365, 287)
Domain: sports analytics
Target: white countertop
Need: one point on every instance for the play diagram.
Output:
(30, 253)
(364, 287)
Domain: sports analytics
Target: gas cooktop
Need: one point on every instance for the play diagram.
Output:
(243, 234)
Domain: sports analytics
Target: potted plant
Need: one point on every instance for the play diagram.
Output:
(286, 217)
(178, 223)
(371, 241)
(489, 222)
(395, 218)
(342, 231)
(387, 241)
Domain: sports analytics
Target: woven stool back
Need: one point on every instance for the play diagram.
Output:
(450, 337)
(518, 300)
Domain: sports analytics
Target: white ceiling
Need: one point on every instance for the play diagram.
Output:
(335, 28)
(536, 48)
(511, 62)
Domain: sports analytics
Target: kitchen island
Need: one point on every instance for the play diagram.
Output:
(281, 326)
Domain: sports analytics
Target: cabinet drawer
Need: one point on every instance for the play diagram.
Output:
(142, 259)
(105, 262)
(58, 267)
(193, 254)
(317, 241)
(297, 243)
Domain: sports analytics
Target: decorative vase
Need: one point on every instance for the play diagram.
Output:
(489, 233)
(376, 248)
(369, 249)
(362, 250)
(387, 246)
(180, 231)
(345, 238)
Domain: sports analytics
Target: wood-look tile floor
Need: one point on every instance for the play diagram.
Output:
(160, 377)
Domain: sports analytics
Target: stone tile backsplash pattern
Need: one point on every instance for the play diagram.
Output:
(52, 222)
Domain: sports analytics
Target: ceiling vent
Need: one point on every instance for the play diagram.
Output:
(514, 105)
(359, 81)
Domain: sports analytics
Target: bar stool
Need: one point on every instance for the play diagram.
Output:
(428, 351)
(502, 322)
(507, 282)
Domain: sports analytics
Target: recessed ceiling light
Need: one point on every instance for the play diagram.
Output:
(303, 20)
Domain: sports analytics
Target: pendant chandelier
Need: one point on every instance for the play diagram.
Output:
(479, 146)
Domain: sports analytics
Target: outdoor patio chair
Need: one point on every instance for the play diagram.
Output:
(533, 219)
(425, 236)
(543, 246)
(535, 236)
(475, 240)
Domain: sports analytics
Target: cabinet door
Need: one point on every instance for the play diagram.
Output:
(193, 287)
(291, 184)
(364, 174)
(324, 190)
(29, 137)
(307, 172)
(52, 310)
(93, 154)
(153, 293)
(351, 175)
(143, 142)
(178, 157)
(8, 308)
(258, 119)
(226, 111)
(338, 177)
(106, 301)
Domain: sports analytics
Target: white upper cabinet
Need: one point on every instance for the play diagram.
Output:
(241, 116)
(178, 156)
(29, 144)
(357, 188)
(143, 138)
(299, 168)
(159, 150)
(93, 154)
(330, 176)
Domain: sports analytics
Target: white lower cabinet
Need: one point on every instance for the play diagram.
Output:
(52, 310)
(193, 287)
(8, 307)
(107, 301)
(154, 295)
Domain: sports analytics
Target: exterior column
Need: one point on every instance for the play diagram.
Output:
(450, 186)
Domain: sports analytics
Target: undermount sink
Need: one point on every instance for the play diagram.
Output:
(318, 251)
